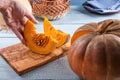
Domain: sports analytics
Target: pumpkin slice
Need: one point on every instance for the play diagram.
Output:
(38, 42)
(60, 36)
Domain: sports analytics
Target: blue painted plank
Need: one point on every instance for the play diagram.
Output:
(76, 2)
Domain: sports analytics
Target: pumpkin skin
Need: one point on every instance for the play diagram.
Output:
(95, 55)
(38, 42)
(60, 36)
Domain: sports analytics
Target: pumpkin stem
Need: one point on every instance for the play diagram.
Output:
(102, 26)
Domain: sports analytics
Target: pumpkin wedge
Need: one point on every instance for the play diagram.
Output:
(60, 36)
(38, 42)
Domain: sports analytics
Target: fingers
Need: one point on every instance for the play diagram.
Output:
(22, 12)
(16, 16)
(31, 17)
(17, 28)
(23, 21)
(19, 34)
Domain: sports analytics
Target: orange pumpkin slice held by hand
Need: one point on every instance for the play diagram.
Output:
(38, 42)
(43, 43)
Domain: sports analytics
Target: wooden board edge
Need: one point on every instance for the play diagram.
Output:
(33, 67)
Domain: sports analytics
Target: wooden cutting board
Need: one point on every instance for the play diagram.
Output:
(23, 60)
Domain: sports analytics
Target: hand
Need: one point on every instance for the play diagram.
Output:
(16, 16)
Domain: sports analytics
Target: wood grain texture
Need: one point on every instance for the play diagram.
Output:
(23, 60)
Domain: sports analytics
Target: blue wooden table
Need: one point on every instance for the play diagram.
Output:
(58, 69)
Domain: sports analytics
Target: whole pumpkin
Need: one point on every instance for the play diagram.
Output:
(95, 51)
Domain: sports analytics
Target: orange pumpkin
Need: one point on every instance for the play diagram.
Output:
(95, 51)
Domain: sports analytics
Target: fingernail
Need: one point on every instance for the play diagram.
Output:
(36, 22)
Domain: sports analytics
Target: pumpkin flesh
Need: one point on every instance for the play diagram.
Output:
(35, 40)
(60, 36)
(78, 34)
